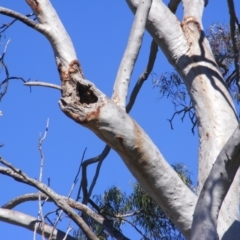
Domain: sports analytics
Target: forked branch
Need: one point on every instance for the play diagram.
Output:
(53, 197)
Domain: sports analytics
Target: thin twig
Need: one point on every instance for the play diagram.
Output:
(184, 111)
(70, 193)
(40, 211)
(67, 232)
(19, 175)
(43, 84)
(5, 26)
(84, 182)
(137, 229)
(78, 172)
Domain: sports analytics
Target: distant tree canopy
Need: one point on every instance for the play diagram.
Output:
(137, 210)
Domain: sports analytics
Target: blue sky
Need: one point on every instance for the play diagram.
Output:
(99, 31)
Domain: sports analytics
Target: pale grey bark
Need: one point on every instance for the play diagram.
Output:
(193, 9)
(130, 55)
(214, 190)
(30, 223)
(107, 225)
(187, 49)
(119, 131)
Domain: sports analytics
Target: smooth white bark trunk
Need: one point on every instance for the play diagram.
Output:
(187, 49)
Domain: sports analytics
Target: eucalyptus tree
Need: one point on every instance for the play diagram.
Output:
(213, 211)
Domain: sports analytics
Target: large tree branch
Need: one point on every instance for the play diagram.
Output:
(215, 188)
(130, 55)
(54, 31)
(187, 49)
(32, 224)
(88, 106)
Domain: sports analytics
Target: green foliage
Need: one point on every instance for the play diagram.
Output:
(184, 174)
(137, 210)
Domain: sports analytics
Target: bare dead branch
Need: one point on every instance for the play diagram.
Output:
(215, 189)
(102, 157)
(70, 193)
(84, 182)
(144, 76)
(41, 139)
(23, 198)
(130, 55)
(78, 172)
(184, 111)
(5, 26)
(43, 84)
(29, 222)
(40, 210)
(233, 22)
(5, 82)
(22, 18)
(74, 204)
(67, 232)
(19, 175)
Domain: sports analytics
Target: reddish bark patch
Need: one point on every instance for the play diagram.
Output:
(192, 30)
(207, 135)
(193, 20)
(34, 4)
(64, 76)
(93, 115)
(75, 67)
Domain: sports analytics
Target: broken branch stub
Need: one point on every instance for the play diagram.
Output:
(80, 100)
